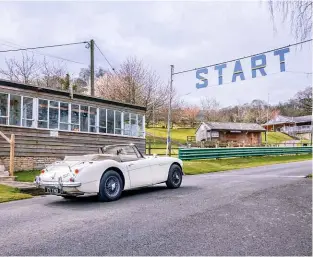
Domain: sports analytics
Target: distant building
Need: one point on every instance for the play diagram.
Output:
(290, 125)
(242, 133)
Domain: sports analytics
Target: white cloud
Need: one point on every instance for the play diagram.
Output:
(186, 34)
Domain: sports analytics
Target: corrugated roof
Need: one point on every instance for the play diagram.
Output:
(279, 119)
(306, 118)
(234, 126)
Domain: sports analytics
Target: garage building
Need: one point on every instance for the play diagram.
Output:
(241, 133)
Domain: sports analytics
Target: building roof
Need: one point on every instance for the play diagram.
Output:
(280, 119)
(235, 126)
(11, 84)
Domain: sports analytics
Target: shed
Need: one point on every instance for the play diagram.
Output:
(244, 133)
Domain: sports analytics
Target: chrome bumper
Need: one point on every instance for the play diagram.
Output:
(57, 184)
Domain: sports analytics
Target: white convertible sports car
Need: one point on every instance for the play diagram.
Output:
(114, 169)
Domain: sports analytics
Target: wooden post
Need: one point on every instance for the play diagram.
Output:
(12, 146)
(149, 149)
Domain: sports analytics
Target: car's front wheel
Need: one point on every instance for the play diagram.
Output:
(175, 177)
(110, 188)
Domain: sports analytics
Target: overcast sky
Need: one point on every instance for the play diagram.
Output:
(185, 34)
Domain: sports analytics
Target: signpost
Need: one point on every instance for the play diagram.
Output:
(258, 64)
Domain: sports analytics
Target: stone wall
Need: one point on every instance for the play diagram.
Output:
(28, 163)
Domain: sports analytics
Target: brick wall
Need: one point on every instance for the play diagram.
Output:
(27, 163)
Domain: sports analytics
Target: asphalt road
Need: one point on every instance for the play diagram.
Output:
(257, 211)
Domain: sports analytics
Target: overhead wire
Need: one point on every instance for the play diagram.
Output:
(41, 47)
(44, 54)
(244, 57)
(105, 58)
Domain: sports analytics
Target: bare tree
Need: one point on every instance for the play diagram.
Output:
(134, 83)
(210, 108)
(297, 13)
(304, 99)
(24, 71)
(51, 74)
(191, 113)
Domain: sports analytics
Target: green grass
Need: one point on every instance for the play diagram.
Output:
(179, 135)
(275, 137)
(8, 193)
(309, 176)
(27, 175)
(206, 166)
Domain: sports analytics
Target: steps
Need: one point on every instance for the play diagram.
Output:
(4, 175)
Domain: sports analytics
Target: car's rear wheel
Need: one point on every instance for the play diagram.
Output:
(175, 177)
(111, 186)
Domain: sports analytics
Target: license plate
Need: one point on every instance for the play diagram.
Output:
(52, 190)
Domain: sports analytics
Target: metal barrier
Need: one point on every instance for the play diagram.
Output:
(213, 153)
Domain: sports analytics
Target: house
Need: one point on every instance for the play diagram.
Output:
(49, 124)
(242, 133)
(290, 125)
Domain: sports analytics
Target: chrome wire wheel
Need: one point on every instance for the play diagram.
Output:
(176, 177)
(112, 186)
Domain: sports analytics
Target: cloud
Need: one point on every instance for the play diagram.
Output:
(185, 34)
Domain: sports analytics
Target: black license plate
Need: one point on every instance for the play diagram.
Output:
(52, 190)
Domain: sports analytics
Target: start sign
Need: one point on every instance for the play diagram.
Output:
(257, 64)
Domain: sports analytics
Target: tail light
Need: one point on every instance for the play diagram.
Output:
(72, 179)
(76, 171)
(42, 171)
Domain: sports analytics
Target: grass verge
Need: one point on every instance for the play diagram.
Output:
(27, 175)
(8, 193)
(206, 166)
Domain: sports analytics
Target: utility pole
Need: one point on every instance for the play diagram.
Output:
(268, 106)
(168, 146)
(92, 67)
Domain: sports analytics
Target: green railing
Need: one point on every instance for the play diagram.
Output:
(213, 153)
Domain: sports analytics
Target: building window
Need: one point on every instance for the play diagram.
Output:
(133, 124)
(84, 118)
(92, 119)
(118, 122)
(4, 109)
(64, 116)
(102, 121)
(110, 121)
(27, 115)
(126, 124)
(42, 113)
(75, 117)
(140, 126)
(53, 115)
(15, 110)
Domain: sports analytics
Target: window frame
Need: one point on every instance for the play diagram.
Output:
(7, 109)
(34, 118)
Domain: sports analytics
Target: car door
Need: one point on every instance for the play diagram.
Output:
(159, 169)
(138, 168)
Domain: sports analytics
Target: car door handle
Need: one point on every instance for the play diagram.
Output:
(130, 164)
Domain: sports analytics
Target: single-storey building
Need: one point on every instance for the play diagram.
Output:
(49, 124)
(242, 133)
(290, 124)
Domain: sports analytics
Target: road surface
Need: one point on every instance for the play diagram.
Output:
(257, 211)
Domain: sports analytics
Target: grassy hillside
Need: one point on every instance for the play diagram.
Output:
(275, 137)
(180, 135)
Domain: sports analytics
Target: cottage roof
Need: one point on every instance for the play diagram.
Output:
(280, 119)
(235, 126)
